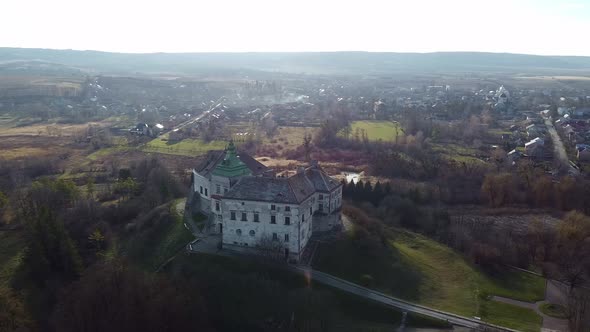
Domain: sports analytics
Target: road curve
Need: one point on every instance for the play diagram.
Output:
(391, 301)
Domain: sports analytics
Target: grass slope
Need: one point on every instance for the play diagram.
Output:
(354, 313)
(152, 247)
(423, 271)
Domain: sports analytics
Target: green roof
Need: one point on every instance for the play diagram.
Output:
(231, 166)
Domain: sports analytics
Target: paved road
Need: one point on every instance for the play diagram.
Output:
(392, 301)
(197, 118)
(559, 149)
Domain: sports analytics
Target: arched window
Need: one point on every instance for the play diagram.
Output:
(252, 233)
(239, 231)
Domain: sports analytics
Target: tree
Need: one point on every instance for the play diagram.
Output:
(497, 188)
(51, 253)
(13, 316)
(573, 248)
(3, 205)
(307, 146)
(378, 193)
(114, 297)
(271, 249)
(578, 310)
(90, 187)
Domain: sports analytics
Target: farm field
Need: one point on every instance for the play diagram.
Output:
(458, 153)
(186, 147)
(377, 130)
(423, 271)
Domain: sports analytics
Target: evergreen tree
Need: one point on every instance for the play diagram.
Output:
(358, 190)
(367, 192)
(377, 193)
(387, 191)
(51, 253)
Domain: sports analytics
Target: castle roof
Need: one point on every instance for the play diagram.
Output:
(230, 163)
(292, 190)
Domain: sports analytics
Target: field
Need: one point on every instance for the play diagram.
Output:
(288, 137)
(423, 271)
(186, 147)
(377, 130)
(458, 153)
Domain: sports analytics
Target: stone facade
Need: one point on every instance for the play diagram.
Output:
(255, 211)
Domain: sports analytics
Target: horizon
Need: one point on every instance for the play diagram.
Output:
(290, 52)
(261, 26)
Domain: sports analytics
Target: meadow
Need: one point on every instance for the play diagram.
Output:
(426, 272)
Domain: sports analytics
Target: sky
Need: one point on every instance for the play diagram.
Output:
(546, 27)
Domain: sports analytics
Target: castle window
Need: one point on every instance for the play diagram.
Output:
(310, 211)
(216, 206)
(275, 237)
(232, 215)
(273, 219)
(218, 189)
(321, 207)
(286, 237)
(244, 216)
(252, 233)
(224, 190)
(273, 207)
(201, 189)
(287, 208)
(287, 221)
(256, 217)
(321, 196)
(303, 218)
(238, 231)
(206, 193)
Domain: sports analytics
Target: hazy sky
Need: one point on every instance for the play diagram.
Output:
(518, 26)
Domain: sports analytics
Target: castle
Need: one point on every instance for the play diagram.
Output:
(250, 207)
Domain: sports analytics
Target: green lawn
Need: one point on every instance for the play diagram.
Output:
(152, 247)
(423, 271)
(504, 314)
(353, 312)
(376, 130)
(186, 147)
(107, 151)
(553, 310)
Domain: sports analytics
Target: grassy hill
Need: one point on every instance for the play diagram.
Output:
(421, 270)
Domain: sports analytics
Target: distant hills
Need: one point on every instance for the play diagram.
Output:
(16, 60)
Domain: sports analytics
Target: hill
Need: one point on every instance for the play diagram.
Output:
(308, 62)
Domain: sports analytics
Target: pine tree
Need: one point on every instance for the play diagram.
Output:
(377, 193)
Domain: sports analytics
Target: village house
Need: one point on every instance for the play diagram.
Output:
(534, 148)
(251, 208)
